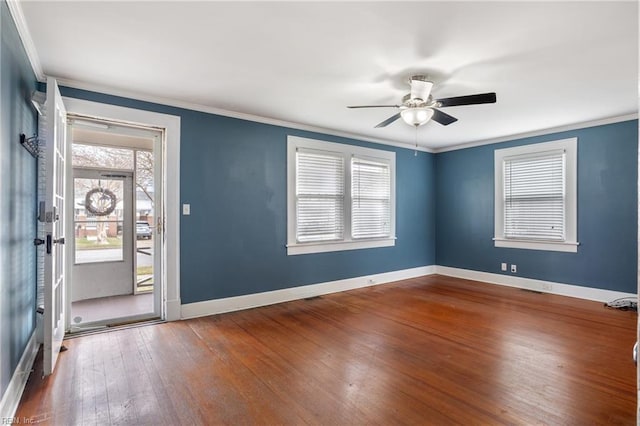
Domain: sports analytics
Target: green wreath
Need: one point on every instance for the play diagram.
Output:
(100, 201)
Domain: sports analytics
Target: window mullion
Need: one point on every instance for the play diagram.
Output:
(347, 197)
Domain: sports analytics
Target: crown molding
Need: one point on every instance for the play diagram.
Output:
(227, 113)
(27, 41)
(542, 132)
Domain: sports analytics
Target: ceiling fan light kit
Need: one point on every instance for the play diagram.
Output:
(418, 107)
(416, 116)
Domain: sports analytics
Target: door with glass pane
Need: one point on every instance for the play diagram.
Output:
(104, 235)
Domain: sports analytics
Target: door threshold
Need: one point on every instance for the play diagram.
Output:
(78, 331)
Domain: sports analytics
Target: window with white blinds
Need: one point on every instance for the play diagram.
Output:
(370, 198)
(319, 196)
(340, 197)
(535, 196)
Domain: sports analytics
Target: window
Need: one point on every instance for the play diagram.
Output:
(340, 197)
(535, 196)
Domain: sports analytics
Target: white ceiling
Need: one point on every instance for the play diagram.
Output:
(550, 63)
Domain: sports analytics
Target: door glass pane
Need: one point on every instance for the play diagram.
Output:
(101, 156)
(145, 223)
(98, 220)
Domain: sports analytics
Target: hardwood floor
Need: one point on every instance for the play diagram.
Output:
(430, 350)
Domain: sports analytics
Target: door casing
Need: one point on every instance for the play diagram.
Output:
(168, 161)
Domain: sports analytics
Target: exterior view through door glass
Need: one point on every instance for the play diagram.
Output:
(112, 278)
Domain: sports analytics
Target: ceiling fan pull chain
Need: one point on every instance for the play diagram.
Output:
(415, 154)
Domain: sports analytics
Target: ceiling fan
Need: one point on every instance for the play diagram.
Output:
(418, 107)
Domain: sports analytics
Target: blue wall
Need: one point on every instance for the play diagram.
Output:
(17, 201)
(607, 212)
(233, 173)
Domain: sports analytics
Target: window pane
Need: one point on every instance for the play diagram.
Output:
(103, 157)
(535, 196)
(144, 186)
(371, 199)
(319, 196)
(98, 220)
(319, 219)
(145, 220)
(98, 241)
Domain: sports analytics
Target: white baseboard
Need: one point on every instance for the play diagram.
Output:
(570, 290)
(11, 397)
(229, 304)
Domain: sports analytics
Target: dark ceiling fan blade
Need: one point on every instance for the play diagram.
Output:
(482, 98)
(443, 118)
(374, 106)
(389, 120)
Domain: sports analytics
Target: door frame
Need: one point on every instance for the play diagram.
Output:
(170, 306)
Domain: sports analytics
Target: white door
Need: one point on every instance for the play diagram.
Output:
(54, 276)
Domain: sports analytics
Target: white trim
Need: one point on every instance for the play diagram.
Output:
(171, 124)
(233, 114)
(302, 248)
(27, 41)
(570, 148)
(347, 152)
(230, 304)
(13, 393)
(565, 246)
(541, 132)
(570, 290)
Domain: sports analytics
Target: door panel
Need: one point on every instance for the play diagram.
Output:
(103, 234)
(54, 261)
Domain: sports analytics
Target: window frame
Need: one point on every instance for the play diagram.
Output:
(570, 243)
(348, 242)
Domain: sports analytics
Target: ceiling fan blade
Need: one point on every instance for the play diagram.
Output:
(374, 106)
(443, 118)
(482, 98)
(389, 120)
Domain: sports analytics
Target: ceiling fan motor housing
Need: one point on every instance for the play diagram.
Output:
(420, 87)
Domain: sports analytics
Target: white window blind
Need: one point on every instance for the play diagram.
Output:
(370, 199)
(319, 196)
(534, 196)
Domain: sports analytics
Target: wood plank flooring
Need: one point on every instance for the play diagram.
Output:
(431, 350)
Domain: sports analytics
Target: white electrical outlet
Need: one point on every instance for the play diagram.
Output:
(514, 269)
(503, 266)
(186, 209)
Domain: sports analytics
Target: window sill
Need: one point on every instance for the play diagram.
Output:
(308, 248)
(565, 246)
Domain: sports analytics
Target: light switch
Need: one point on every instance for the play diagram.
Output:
(186, 209)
